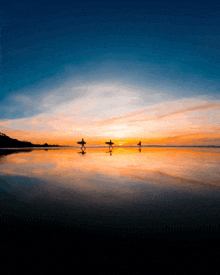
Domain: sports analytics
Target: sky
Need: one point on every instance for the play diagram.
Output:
(128, 71)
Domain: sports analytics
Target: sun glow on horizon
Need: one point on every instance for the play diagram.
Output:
(120, 114)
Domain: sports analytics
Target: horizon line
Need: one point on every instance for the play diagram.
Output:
(117, 146)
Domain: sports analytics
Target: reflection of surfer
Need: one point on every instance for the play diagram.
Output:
(82, 152)
(82, 143)
(109, 151)
(140, 150)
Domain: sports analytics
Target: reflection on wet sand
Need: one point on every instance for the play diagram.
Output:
(5, 152)
(82, 152)
(196, 165)
(156, 184)
(109, 152)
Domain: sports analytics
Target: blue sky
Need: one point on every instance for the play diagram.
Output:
(163, 50)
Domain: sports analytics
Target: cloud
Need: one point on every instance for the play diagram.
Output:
(185, 109)
(99, 98)
(112, 111)
(165, 110)
(30, 102)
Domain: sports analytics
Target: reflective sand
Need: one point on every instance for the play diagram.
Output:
(126, 188)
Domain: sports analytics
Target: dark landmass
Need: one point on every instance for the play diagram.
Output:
(7, 142)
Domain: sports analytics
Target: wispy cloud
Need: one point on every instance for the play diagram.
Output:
(120, 113)
(165, 111)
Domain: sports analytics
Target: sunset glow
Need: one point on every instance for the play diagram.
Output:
(109, 112)
(111, 75)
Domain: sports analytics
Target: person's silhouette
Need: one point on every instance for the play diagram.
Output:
(82, 143)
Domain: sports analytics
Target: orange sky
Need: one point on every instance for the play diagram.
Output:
(123, 118)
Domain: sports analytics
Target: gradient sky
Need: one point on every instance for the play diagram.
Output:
(100, 70)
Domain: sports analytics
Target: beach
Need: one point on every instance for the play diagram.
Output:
(59, 207)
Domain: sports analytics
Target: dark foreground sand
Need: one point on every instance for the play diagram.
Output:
(33, 245)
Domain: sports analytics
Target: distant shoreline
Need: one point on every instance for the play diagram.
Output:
(103, 146)
(6, 142)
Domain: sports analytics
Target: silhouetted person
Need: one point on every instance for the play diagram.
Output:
(82, 143)
(110, 143)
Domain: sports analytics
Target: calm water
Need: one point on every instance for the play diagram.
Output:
(154, 188)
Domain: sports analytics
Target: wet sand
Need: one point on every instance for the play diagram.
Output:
(30, 240)
(30, 244)
(105, 226)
